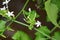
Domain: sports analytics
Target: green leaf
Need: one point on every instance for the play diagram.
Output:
(52, 11)
(48, 20)
(30, 18)
(59, 22)
(20, 35)
(3, 12)
(32, 15)
(57, 2)
(2, 27)
(40, 36)
(56, 36)
(44, 29)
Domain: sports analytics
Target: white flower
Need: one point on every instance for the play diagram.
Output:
(29, 9)
(6, 2)
(38, 24)
(3, 8)
(10, 14)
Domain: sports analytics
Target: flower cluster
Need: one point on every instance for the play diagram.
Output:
(38, 23)
(9, 14)
(6, 2)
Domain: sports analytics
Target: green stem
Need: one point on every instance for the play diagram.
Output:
(53, 29)
(22, 8)
(44, 34)
(20, 12)
(34, 29)
(20, 23)
(3, 36)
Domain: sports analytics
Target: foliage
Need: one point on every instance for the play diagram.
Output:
(56, 36)
(2, 27)
(57, 2)
(30, 18)
(3, 12)
(52, 15)
(20, 35)
(40, 36)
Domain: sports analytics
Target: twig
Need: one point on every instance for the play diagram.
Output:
(19, 12)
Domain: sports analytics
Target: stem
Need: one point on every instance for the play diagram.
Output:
(3, 36)
(53, 29)
(34, 29)
(20, 23)
(23, 8)
(44, 34)
(20, 12)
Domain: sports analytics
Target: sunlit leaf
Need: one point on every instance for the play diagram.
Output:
(3, 13)
(56, 36)
(52, 11)
(47, 19)
(40, 36)
(20, 35)
(2, 27)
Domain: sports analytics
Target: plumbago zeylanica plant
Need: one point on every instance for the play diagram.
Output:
(42, 32)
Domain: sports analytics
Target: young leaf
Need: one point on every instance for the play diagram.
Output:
(20, 35)
(3, 12)
(56, 36)
(40, 36)
(52, 11)
(30, 18)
